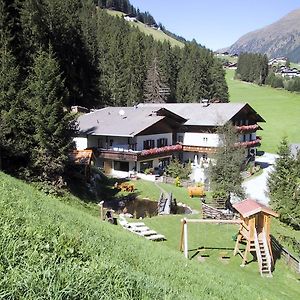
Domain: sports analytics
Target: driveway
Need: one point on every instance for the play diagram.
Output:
(256, 188)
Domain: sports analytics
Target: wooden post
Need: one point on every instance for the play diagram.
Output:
(245, 254)
(236, 248)
(101, 210)
(185, 236)
(181, 236)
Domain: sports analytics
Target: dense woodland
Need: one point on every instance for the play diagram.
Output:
(55, 54)
(252, 67)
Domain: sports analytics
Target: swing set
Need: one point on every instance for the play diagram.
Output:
(254, 231)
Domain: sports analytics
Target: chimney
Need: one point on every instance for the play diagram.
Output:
(205, 102)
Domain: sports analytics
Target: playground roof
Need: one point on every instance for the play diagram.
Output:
(250, 207)
(82, 157)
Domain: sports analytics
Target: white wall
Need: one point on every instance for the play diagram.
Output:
(140, 139)
(201, 139)
(117, 142)
(81, 143)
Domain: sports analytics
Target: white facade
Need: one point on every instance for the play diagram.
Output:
(116, 143)
(80, 143)
(140, 139)
(201, 139)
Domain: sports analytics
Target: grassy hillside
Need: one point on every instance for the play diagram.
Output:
(50, 249)
(280, 109)
(157, 34)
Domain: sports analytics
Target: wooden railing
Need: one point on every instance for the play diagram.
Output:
(267, 250)
(280, 252)
(258, 254)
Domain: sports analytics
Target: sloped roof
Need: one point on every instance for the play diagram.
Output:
(215, 114)
(118, 121)
(81, 157)
(250, 207)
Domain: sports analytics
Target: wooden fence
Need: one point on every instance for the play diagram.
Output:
(280, 252)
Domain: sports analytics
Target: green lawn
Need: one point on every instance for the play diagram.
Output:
(158, 35)
(147, 189)
(280, 109)
(218, 239)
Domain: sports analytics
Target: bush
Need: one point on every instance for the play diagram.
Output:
(148, 171)
(177, 169)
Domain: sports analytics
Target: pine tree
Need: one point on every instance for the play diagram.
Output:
(8, 92)
(155, 88)
(15, 128)
(283, 185)
(219, 87)
(225, 173)
(46, 93)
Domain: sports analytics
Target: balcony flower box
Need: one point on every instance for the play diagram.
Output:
(164, 149)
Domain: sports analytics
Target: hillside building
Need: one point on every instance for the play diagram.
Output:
(127, 139)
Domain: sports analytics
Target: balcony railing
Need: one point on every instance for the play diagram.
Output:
(248, 144)
(164, 149)
(120, 148)
(248, 128)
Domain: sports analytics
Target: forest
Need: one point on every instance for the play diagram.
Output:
(55, 54)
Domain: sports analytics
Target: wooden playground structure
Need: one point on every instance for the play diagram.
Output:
(254, 231)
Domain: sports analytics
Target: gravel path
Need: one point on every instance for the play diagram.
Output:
(256, 188)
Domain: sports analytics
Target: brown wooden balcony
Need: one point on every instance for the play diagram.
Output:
(248, 128)
(249, 144)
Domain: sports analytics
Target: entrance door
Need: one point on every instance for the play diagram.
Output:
(259, 224)
(107, 166)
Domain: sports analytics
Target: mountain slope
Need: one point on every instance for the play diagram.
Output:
(281, 38)
(158, 35)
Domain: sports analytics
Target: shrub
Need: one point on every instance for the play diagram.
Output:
(177, 169)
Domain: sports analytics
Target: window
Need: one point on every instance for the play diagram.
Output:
(180, 139)
(146, 165)
(163, 162)
(100, 143)
(148, 144)
(121, 166)
(162, 142)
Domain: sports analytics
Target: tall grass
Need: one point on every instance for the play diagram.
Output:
(52, 250)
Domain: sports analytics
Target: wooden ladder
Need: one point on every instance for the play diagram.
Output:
(263, 254)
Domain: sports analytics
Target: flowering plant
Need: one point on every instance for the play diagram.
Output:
(162, 150)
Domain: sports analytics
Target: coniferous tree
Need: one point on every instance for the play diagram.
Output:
(219, 91)
(155, 87)
(225, 173)
(9, 76)
(15, 128)
(283, 185)
(46, 93)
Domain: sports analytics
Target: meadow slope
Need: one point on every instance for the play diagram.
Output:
(50, 249)
(158, 35)
(279, 108)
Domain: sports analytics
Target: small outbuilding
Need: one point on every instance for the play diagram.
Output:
(255, 232)
(84, 158)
